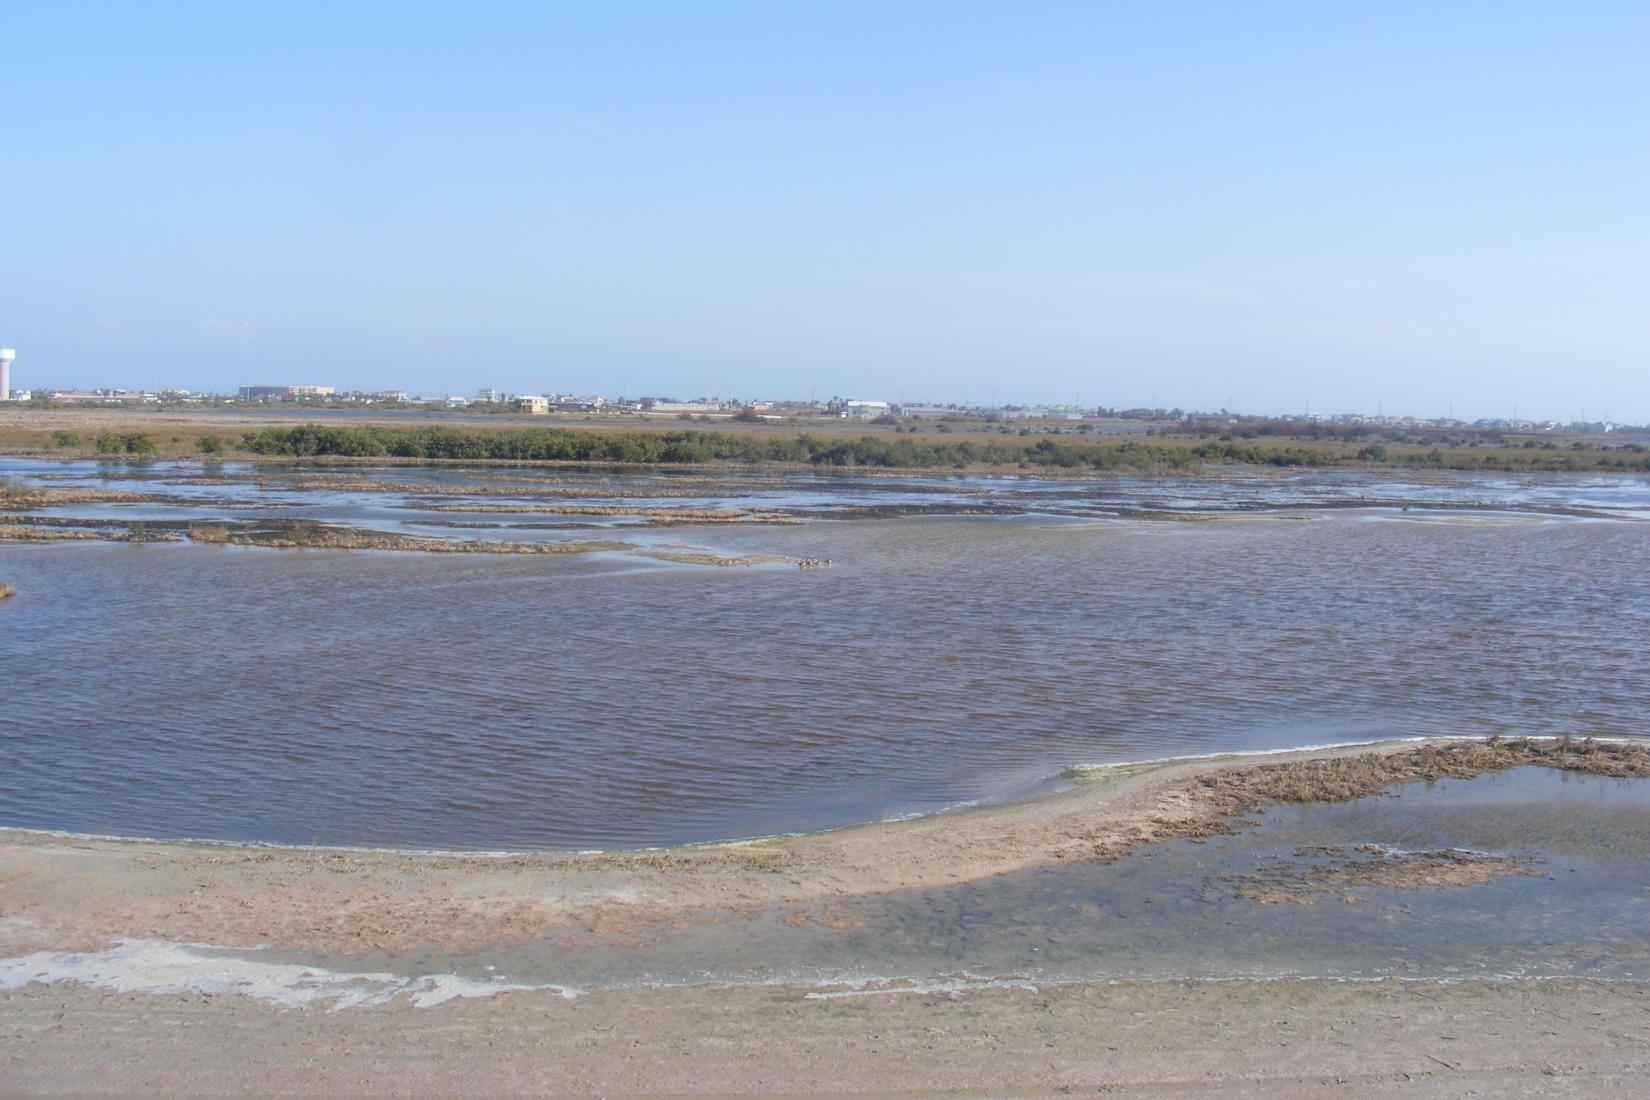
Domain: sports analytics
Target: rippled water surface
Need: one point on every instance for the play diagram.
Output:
(456, 701)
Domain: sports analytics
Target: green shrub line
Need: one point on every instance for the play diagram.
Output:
(703, 448)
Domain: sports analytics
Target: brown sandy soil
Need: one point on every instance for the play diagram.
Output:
(1239, 1039)
(80, 892)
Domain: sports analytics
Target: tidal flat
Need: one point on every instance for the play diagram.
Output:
(1011, 758)
(344, 663)
(1167, 961)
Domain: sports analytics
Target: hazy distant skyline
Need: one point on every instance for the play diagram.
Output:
(1424, 208)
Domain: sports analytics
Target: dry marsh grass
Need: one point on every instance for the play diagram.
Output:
(1226, 798)
(36, 531)
(1340, 779)
(301, 534)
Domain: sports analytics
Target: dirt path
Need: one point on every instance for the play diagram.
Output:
(1231, 1039)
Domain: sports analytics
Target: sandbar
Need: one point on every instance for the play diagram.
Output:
(1239, 1038)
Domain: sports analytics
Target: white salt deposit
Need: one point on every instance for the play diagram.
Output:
(164, 968)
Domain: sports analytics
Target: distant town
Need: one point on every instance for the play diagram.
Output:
(488, 400)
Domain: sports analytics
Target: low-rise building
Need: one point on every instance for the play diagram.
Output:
(700, 406)
(284, 393)
(101, 397)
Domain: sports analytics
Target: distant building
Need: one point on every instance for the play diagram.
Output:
(284, 393)
(866, 410)
(538, 406)
(572, 403)
(100, 397)
(681, 406)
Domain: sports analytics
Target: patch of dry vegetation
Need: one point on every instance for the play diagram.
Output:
(308, 534)
(692, 557)
(1221, 801)
(1341, 779)
(1338, 870)
(21, 498)
(34, 530)
(476, 485)
(691, 860)
(658, 517)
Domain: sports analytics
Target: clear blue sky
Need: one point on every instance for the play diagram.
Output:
(1419, 205)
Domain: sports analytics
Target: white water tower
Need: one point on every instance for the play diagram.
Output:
(6, 356)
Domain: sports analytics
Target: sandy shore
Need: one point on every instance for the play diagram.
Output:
(77, 892)
(1160, 1039)
(61, 893)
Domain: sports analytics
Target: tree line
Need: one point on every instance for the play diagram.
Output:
(686, 447)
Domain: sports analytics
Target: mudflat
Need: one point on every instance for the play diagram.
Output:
(1152, 1038)
(78, 892)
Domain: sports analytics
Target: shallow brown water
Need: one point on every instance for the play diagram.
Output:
(416, 700)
